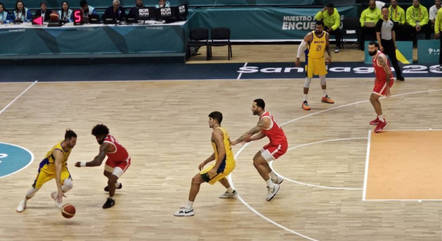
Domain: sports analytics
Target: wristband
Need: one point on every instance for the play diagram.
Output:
(82, 164)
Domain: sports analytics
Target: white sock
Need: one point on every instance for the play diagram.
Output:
(273, 176)
(270, 183)
(189, 205)
(324, 92)
(305, 97)
(229, 190)
(117, 184)
(31, 192)
(381, 118)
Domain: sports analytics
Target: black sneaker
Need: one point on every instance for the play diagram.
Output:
(109, 203)
(106, 188)
(400, 78)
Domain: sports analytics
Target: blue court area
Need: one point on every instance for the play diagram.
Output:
(13, 158)
(180, 71)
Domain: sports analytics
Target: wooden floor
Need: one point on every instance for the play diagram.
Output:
(164, 127)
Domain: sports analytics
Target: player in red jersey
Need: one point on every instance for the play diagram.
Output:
(118, 160)
(266, 126)
(383, 82)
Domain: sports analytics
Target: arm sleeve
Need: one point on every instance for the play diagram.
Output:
(425, 16)
(362, 18)
(402, 20)
(379, 26)
(337, 18)
(301, 49)
(318, 15)
(410, 20)
(437, 23)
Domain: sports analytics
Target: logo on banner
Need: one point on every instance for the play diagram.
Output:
(435, 52)
(298, 23)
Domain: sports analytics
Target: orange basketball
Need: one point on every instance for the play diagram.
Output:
(68, 210)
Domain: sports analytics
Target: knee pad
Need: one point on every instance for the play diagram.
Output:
(307, 82)
(67, 185)
(323, 82)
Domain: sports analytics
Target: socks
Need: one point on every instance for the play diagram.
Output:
(270, 183)
(229, 190)
(324, 92)
(381, 118)
(273, 176)
(189, 205)
(117, 184)
(304, 97)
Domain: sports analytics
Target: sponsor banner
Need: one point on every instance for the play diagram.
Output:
(428, 51)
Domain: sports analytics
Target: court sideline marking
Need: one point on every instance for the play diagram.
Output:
(291, 121)
(240, 74)
(18, 96)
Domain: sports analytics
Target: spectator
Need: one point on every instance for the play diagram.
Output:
(369, 17)
(417, 20)
(43, 12)
(133, 13)
(115, 12)
(332, 21)
(437, 30)
(65, 12)
(386, 36)
(4, 16)
(87, 10)
(433, 12)
(162, 4)
(21, 13)
(397, 15)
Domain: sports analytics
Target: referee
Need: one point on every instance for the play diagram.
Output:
(386, 36)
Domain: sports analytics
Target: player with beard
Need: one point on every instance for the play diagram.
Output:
(118, 160)
(383, 82)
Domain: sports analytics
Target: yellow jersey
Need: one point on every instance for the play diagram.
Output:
(316, 48)
(227, 147)
(49, 160)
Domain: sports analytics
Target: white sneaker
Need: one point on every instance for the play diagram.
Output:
(184, 212)
(272, 191)
(278, 180)
(54, 197)
(21, 206)
(228, 195)
(337, 50)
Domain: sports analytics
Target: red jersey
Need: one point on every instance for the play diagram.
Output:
(119, 154)
(379, 70)
(274, 132)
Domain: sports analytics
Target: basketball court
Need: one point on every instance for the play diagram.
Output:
(333, 190)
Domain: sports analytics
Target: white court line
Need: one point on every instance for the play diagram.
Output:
(32, 159)
(367, 157)
(240, 74)
(403, 200)
(314, 185)
(296, 119)
(17, 97)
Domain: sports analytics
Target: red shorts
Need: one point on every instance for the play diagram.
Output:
(272, 152)
(117, 168)
(380, 85)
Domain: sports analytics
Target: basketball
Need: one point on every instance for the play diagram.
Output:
(68, 210)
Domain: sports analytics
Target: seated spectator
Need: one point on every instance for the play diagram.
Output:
(433, 12)
(4, 16)
(332, 21)
(43, 12)
(65, 13)
(88, 11)
(437, 30)
(369, 17)
(397, 15)
(21, 13)
(133, 13)
(417, 20)
(162, 4)
(115, 12)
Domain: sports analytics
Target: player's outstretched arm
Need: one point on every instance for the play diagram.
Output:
(263, 123)
(104, 149)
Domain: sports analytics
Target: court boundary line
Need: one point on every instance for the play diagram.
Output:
(32, 159)
(240, 74)
(18, 96)
(299, 118)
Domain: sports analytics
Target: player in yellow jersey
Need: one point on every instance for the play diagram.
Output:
(315, 44)
(224, 165)
(54, 165)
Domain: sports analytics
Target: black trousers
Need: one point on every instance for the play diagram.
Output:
(390, 50)
(366, 34)
(338, 36)
(426, 29)
(440, 51)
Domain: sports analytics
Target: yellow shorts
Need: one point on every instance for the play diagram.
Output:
(46, 174)
(223, 171)
(315, 67)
